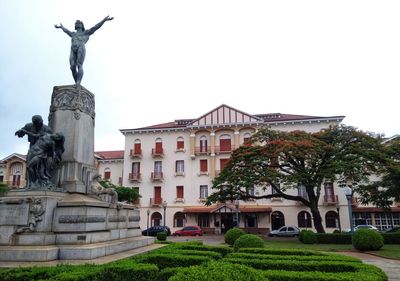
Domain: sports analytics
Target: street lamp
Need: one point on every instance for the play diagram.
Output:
(338, 218)
(164, 205)
(148, 216)
(348, 191)
(237, 212)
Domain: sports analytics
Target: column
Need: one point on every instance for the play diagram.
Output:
(212, 159)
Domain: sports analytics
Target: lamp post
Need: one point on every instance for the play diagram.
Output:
(148, 216)
(237, 212)
(348, 191)
(164, 204)
(338, 218)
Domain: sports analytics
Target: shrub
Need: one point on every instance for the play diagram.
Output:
(218, 271)
(333, 238)
(161, 236)
(291, 252)
(210, 254)
(223, 250)
(232, 234)
(248, 241)
(391, 238)
(164, 260)
(367, 240)
(278, 258)
(307, 237)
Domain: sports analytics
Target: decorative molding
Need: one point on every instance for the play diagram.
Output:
(80, 219)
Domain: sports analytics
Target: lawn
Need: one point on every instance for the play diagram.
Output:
(388, 251)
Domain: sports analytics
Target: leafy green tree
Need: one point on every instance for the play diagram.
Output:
(285, 160)
(124, 193)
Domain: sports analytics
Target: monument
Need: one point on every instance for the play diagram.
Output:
(63, 213)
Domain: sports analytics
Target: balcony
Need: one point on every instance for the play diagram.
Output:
(157, 152)
(135, 153)
(202, 150)
(330, 200)
(135, 177)
(157, 201)
(224, 149)
(157, 176)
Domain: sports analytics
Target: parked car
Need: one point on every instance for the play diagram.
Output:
(362, 226)
(152, 231)
(285, 231)
(393, 229)
(189, 231)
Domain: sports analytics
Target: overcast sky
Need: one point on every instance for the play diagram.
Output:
(158, 61)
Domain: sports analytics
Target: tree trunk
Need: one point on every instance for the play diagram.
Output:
(316, 217)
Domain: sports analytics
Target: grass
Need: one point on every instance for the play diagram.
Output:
(387, 251)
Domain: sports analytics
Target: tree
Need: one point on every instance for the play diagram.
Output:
(285, 160)
(124, 193)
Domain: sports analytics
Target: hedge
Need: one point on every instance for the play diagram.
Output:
(166, 273)
(307, 237)
(248, 241)
(210, 254)
(391, 238)
(224, 250)
(220, 271)
(291, 252)
(333, 238)
(232, 234)
(278, 258)
(367, 240)
(172, 260)
(34, 273)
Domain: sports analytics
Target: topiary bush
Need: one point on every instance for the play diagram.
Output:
(307, 237)
(367, 240)
(248, 241)
(232, 234)
(161, 236)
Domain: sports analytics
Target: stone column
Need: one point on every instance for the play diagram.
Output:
(192, 145)
(236, 139)
(72, 114)
(212, 159)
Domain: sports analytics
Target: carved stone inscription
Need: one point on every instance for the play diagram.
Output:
(80, 219)
(14, 214)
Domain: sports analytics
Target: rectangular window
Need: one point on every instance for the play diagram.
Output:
(180, 167)
(203, 220)
(329, 194)
(157, 167)
(180, 144)
(136, 169)
(203, 166)
(251, 220)
(222, 163)
(107, 175)
(159, 148)
(179, 192)
(225, 144)
(302, 192)
(203, 145)
(137, 149)
(203, 191)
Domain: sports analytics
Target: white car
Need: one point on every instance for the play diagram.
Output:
(363, 226)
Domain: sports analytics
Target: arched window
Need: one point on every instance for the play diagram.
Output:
(304, 219)
(179, 219)
(180, 144)
(246, 139)
(225, 143)
(159, 146)
(331, 218)
(107, 173)
(16, 171)
(156, 219)
(203, 144)
(277, 220)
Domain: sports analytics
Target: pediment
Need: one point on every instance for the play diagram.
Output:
(225, 115)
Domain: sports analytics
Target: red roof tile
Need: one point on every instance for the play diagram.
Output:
(116, 154)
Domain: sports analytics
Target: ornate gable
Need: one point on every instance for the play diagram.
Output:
(225, 115)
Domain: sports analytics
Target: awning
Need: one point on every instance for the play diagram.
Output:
(375, 209)
(227, 208)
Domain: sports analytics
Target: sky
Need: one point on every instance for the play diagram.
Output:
(162, 60)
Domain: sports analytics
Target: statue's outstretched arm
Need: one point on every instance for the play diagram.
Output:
(97, 26)
(63, 29)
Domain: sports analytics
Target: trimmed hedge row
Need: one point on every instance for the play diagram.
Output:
(223, 250)
(220, 271)
(172, 260)
(210, 254)
(282, 252)
(294, 257)
(333, 238)
(391, 238)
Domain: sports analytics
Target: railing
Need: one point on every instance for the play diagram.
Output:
(202, 150)
(157, 152)
(157, 176)
(330, 199)
(156, 201)
(224, 149)
(136, 153)
(135, 177)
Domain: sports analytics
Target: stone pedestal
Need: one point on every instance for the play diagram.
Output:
(72, 113)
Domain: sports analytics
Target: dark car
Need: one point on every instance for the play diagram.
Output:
(285, 231)
(189, 231)
(152, 231)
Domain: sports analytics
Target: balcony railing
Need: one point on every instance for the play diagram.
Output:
(202, 150)
(136, 153)
(224, 149)
(330, 199)
(157, 176)
(135, 177)
(156, 201)
(157, 152)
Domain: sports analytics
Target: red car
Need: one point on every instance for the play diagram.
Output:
(189, 231)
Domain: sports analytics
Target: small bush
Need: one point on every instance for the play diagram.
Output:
(218, 271)
(232, 234)
(161, 236)
(248, 241)
(367, 240)
(307, 237)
